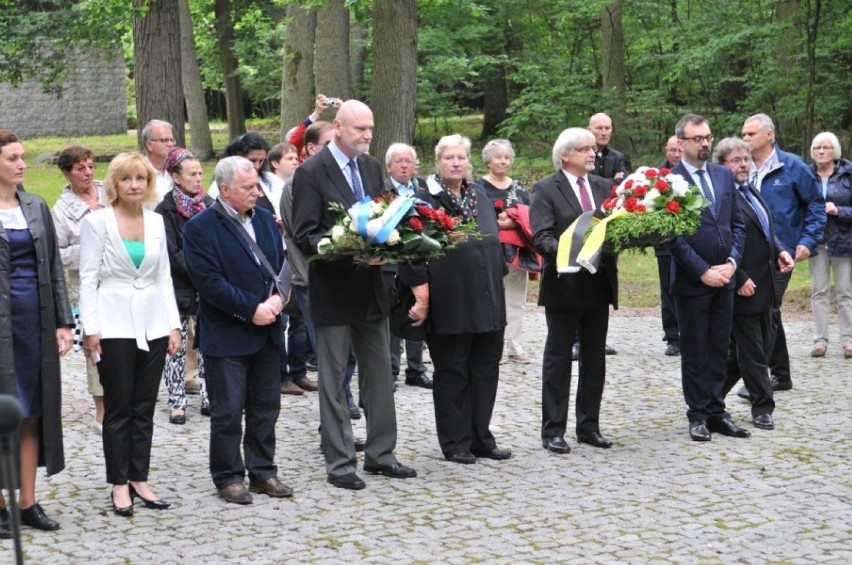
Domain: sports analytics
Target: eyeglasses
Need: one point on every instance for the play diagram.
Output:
(403, 162)
(698, 139)
(738, 160)
(164, 140)
(823, 148)
(587, 149)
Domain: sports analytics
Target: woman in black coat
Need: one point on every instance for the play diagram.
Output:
(185, 200)
(460, 298)
(35, 317)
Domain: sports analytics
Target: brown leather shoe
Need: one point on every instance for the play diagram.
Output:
(272, 487)
(291, 388)
(306, 384)
(236, 493)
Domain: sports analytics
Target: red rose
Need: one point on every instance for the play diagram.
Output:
(499, 205)
(415, 224)
(664, 171)
(425, 211)
(664, 188)
(672, 206)
(662, 185)
(608, 203)
(640, 191)
(630, 203)
(639, 208)
(447, 223)
(651, 173)
(628, 183)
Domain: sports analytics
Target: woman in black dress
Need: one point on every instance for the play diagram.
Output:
(39, 323)
(460, 298)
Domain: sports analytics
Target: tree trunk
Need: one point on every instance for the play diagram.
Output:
(196, 107)
(332, 51)
(358, 47)
(233, 89)
(786, 11)
(394, 91)
(613, 84)
(156, 50)
(812, 27)
(297, 81)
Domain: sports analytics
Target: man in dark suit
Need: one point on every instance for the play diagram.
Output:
(348, 303)
(239, 330)
(668, 315)
(399, 160)
(609, 163)
(574, 303)
(751, 334)
(703, 283)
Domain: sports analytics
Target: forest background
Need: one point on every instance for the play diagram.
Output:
(522, 69)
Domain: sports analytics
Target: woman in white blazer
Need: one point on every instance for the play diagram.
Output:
(130, 319)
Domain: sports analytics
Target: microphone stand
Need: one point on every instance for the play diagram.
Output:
(11, 416)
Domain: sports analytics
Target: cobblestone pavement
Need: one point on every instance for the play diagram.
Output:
(780, 496)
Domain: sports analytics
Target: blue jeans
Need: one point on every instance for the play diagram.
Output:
(251, 383)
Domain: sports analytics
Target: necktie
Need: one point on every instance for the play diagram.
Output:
(758, 209)
(585, 201)
(357, 189)
(754, 181)
(705, 189)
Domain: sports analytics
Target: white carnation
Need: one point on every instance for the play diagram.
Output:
(324, 246)
(393, 238)
(337, 232)
(680, 187)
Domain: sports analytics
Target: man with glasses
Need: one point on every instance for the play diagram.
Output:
(751, 333)
(158, 139)
(794, 197)
(703, 283)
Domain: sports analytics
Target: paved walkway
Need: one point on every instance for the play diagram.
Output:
(780, 496)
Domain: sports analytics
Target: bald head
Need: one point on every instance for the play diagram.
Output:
(601, 126)
(353, 128)
(674, 150)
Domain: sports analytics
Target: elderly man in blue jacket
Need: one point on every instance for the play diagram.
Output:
(792, 193)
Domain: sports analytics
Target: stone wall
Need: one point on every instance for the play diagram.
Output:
(93, 101)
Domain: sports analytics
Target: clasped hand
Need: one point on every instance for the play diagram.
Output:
(267, 311)
(718, 275)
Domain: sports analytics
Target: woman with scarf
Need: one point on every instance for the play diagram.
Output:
(185, 200)
(460, 299)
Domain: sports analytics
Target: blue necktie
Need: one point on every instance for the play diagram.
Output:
(356, 180)
(758, 209)
(705, 189)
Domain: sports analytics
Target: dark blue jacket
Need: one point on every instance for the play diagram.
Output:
(719, 237)
(838, 229)
(231, 282)
(792, 192)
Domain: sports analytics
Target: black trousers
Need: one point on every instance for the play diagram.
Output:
(668, 310)
(131, 381)
(751, 342)
(591, 325)
(779, 359)
(705, 334)
(466, 371)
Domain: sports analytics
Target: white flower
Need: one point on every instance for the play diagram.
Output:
(393, 238)
(620, 190)
(376, 209)
(680, 187)
(649, 197)
(324, 246)
(353, 226)
(337, 232)
(641, 171)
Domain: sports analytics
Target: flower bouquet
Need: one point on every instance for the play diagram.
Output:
(649, 207)
(391, 228)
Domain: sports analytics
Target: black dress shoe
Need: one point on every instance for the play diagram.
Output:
(158, 504)
(497, 454)
(35, 517)
(177, 419)
(575, 352)
(125, 511)
(349, 481)
(555, 444)
(360, 445)
(205, 411)
(764, 422)
(236, 493)
(780, 383)
(271, 487)
(420, 380)
(595, 439)
(463, 457)
(698, 431)
(394, 471)
(5, 529)
(610, 350)
(727, 427)
(354, 413)
(673, 349)
(744, 393)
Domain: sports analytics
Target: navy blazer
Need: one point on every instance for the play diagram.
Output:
(340, 291)
(759, 261)
(554, 207)
(719, 236)
(231, 282)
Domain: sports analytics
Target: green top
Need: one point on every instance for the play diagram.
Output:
(136, 250)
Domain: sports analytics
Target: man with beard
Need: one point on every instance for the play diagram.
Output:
(703, 283)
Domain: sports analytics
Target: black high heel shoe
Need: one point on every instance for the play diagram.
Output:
(158, 504)
(127, 511)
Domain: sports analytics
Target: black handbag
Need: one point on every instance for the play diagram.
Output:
(399, 322)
